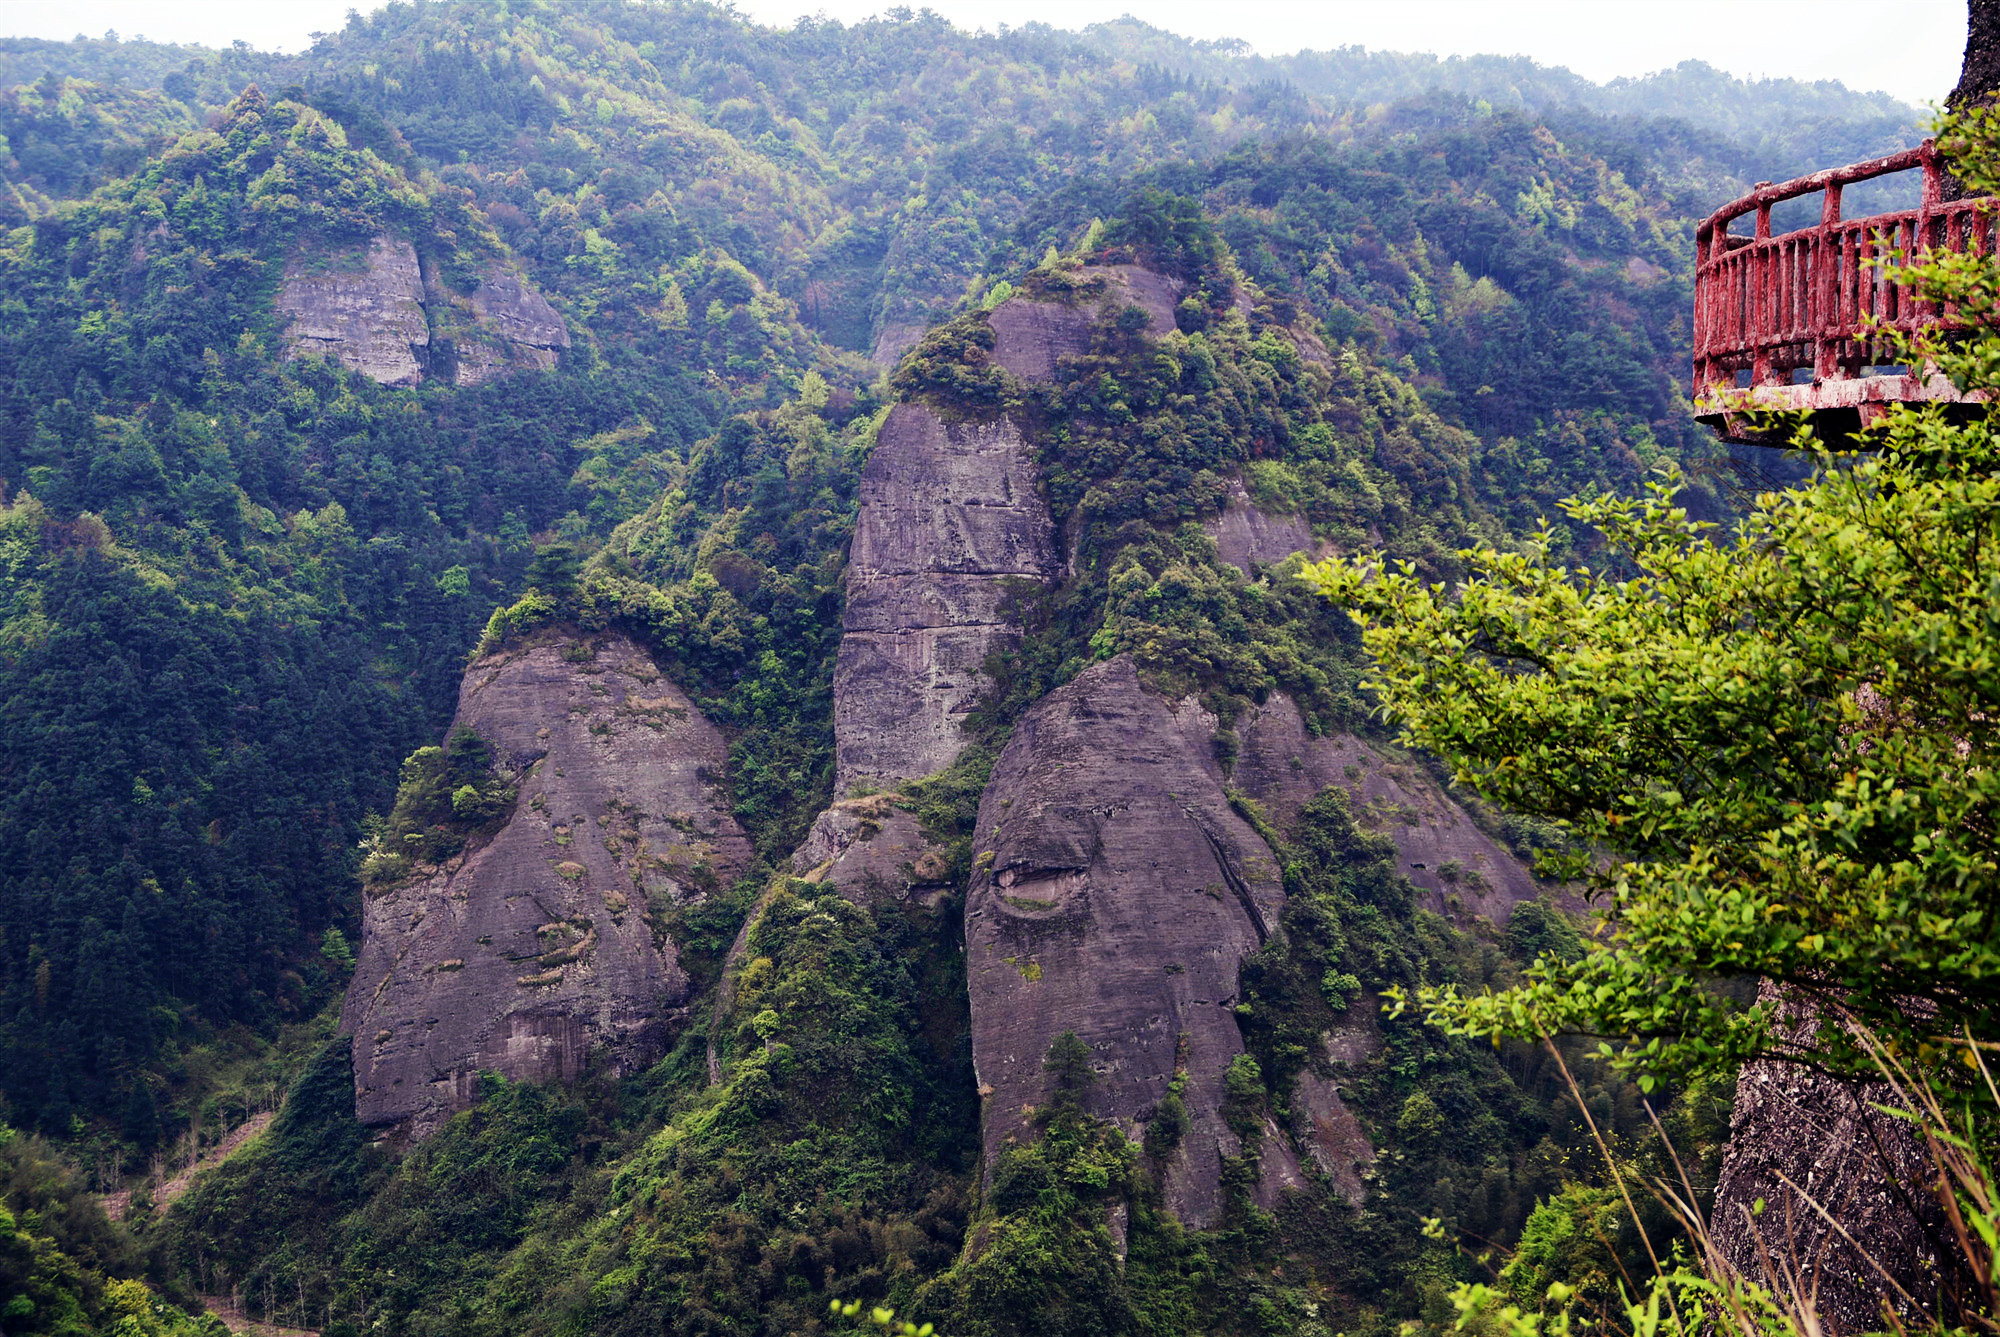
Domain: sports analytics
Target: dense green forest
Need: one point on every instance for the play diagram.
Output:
(237, 589)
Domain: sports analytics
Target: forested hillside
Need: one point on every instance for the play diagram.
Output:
(240, 582)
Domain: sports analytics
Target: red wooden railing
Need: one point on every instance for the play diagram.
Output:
(1774, 306)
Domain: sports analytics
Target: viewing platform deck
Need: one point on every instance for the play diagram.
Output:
(1793, 322)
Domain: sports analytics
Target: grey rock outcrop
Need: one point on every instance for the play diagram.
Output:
(532, 953)
(1116, 893)
(1031, 338)
(516, 329)
(1332, 1135)
(1439, 847)
(873, 849)
(364, 309)
(895, 338)
(1152, 292)
(1248, 536)
(376, 311)
(950, 526)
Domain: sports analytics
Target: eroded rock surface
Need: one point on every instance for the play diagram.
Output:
(895, 338)
(873, 850)
(373, 311)
(362, 308)
(1866, 1169)
(517, 329)
(1115, 893)
(531, 954)
(950, 528)
(1031, 338)
(1248, 536)
(1438, 845)
(1154, 293)
(1332, 1135)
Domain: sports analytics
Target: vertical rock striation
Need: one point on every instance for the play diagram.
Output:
(950, 525)
(527, 955)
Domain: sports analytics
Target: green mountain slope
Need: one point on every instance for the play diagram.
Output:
(238, 588)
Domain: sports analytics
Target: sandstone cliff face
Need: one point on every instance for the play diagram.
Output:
(1247, 536)
(950, 522)
(895, 338)
(874, 850)
(1115, 893)
(951, 525)
(517, 330)
(537, 950)
(365, 310)
(951, 530)
(373, 312)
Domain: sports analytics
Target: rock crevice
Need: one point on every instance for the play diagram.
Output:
(377, 311)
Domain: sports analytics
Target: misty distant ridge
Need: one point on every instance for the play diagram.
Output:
(1694, 91)
(1756, 112)
(1523, 75)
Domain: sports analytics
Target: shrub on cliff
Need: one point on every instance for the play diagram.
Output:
(448, 796)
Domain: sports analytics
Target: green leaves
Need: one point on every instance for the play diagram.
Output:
(1784, 736)
(882, 1318)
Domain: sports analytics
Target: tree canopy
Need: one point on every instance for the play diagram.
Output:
(1773, 748)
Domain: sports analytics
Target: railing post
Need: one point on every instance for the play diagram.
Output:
(1704, 251)
(1760, 296)
(1826, 287)
(1928, 221)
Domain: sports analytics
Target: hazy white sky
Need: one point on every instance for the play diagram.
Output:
(1910, 48)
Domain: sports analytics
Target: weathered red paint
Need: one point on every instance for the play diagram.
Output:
(1808, 300)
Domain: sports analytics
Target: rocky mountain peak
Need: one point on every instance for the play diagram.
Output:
(545, 949)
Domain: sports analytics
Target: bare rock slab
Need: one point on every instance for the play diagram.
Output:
(374, 310)
(1248, 536)
(1439, 847)
(950, 525)
(1115, 893)
(873, 850)
(364, 309)
(538, 952)
(517, 329)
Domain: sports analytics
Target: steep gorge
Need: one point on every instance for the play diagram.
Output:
(1019, 622)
